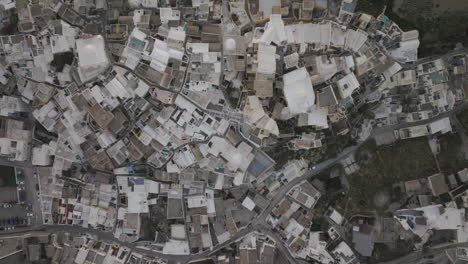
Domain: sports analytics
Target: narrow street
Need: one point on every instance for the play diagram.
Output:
(259, 223)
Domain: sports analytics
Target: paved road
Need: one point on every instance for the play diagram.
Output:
(259, 223)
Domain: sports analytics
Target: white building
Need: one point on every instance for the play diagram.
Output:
(298, 91)
(92, 57)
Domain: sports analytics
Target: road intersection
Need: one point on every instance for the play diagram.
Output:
(259, 223)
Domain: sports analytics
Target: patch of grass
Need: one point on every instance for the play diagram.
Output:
(402, 161)
(373, 7)
(463, 119)
(446, 31)
(22, 2)
(320, 223)
(365, 151)
(187, 3)
(384, 253)
(328, 199)
(333, 193)
(231, 99)
(331, 146)
(281, 155)
(7, 176)
(451, 158)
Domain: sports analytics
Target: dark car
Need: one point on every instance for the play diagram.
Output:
(22, 196)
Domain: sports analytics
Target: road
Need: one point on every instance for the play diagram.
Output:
(259, 223)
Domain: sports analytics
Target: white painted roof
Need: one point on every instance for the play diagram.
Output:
(91, 51)
(248, 203)
(266, 59)
(347, 85)
(298, 91)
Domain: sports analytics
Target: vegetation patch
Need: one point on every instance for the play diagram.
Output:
(438, 31)
(463, 119)
(7, 176)
(373, 184)
(382, 252)
(451, 157)
(331, 147)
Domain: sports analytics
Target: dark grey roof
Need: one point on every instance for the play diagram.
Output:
(411, 212)
(363, 243)
(260, 164)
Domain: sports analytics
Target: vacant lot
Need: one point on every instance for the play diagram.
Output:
(463, 118)
(371, 188)
(331, 146)
(451, 157)
(7, 176)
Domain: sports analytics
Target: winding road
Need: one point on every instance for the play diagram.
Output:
(259, 223)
